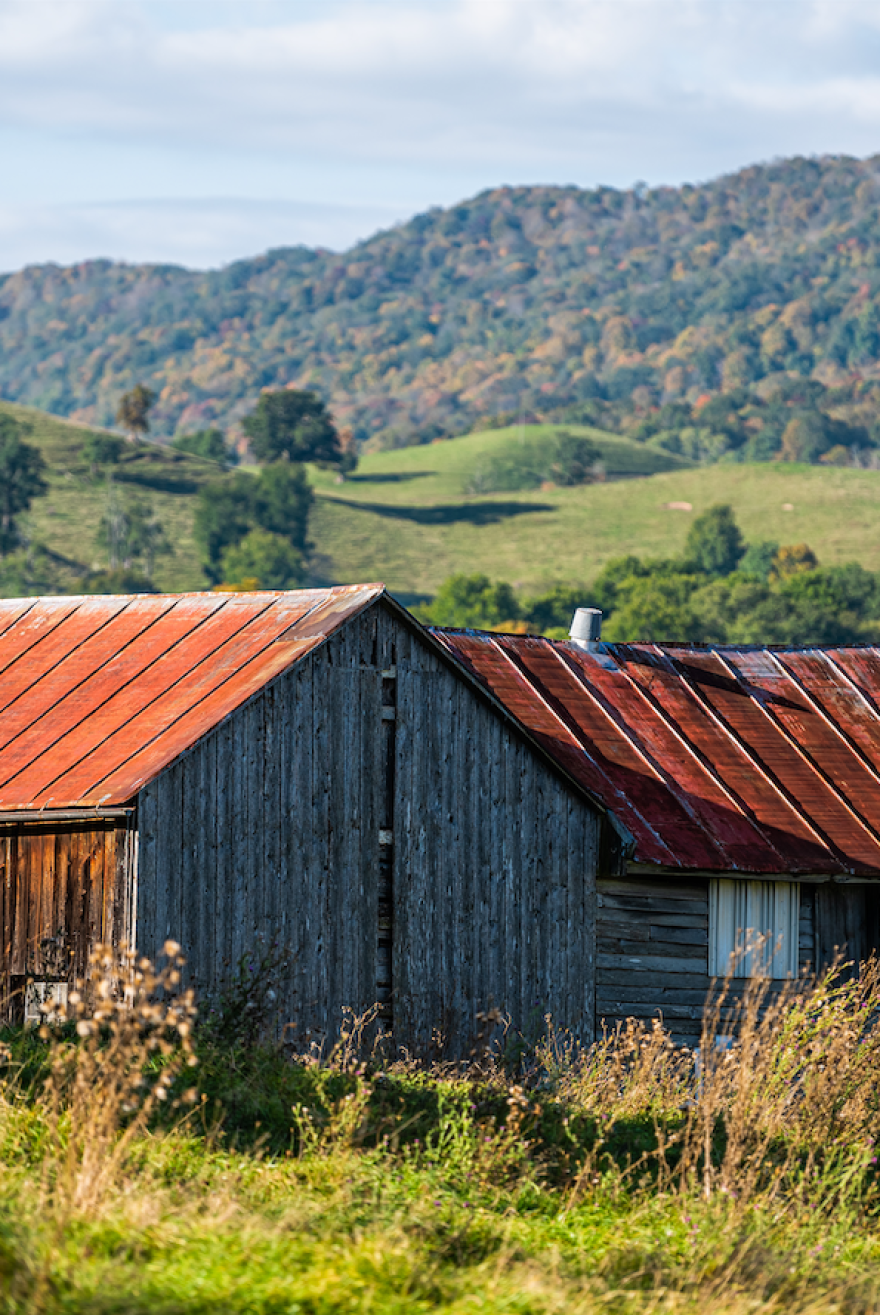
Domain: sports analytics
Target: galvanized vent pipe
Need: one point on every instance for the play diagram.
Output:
(586, 628)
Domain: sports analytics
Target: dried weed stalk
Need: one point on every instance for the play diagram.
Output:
(133, 1027)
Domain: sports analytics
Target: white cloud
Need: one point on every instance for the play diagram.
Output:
(370, 99)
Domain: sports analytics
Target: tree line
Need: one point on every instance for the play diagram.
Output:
(721, 590)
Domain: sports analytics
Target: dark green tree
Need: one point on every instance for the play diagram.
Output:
(224, 514)
(133, 412)
(473, 602)
(263, 560)
(278, 500)
(572, 460)
(554, 611)
(715, 543)
(21, 479)
(208, 443)
(102, 450)
(295, 425)
(282, 499)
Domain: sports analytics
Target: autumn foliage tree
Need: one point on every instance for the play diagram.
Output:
(133, 413)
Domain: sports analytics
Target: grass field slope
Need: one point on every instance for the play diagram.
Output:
(404, 519)
(67, 519)
(407, 518)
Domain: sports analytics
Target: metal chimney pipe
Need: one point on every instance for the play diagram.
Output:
(586, 628)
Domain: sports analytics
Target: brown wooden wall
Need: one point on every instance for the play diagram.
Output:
(652, 959)
(64, 887)
(391, 834)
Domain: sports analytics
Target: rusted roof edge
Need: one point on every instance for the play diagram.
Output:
(38, 816)
(634, 868)
(380, 591)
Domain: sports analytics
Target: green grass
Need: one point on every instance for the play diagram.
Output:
(404, 518)
(67, 518)
(327, 1190)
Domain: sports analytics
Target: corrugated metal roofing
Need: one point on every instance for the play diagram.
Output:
(98, 694)
(751, 760)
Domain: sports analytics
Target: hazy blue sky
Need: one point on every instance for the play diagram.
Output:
(202, 130)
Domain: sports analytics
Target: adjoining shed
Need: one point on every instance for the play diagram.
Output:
(311, 770)
(749, 781)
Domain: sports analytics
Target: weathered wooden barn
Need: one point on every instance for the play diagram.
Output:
(749, 781)
(441, 822)
(311, 770)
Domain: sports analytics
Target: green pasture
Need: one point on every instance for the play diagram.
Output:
(405, 518)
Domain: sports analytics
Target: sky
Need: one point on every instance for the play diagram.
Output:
(201, 131)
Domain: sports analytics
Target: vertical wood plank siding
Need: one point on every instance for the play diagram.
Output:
(653, 951)
(267, 835)
(64, 888)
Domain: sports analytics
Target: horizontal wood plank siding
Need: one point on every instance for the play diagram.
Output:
(652, 937)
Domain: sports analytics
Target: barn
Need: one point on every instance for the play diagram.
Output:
(749, 782)
(310, 770)
(437, 822)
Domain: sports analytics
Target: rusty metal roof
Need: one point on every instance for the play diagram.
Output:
(99, 694)
(721, 759)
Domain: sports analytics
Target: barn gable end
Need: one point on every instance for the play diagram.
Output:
(371, 815)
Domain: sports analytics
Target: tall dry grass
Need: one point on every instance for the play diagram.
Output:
(115, 1048)
(779, 1105)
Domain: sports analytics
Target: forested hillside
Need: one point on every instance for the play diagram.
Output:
(628, 309)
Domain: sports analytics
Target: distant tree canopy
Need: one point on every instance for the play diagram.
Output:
(293, 425)
(714, 543)
(263, 560)
(133, 412)
(276, 501)
(770, 595)
(208, 443)
(102, 450)
(696, 317)
(21, 479)
(473, 602)
(564, 459)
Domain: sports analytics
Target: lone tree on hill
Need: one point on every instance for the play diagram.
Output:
(714, 543)
(21, 479)
(293, 425)
(134, 410)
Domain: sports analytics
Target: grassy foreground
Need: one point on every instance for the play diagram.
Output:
(625, 1178)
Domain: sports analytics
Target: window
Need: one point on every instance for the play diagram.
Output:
(742, 911)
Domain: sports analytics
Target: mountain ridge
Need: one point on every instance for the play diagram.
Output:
(541, 301)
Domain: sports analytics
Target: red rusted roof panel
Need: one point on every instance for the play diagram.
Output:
(597, 711)
(729, 759)
(97, 695)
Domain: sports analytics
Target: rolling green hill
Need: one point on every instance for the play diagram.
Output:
(66, 519)
(405, 518)
(530, 298)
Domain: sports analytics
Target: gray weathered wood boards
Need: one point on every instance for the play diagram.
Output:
(372, 769)
(652, 957)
